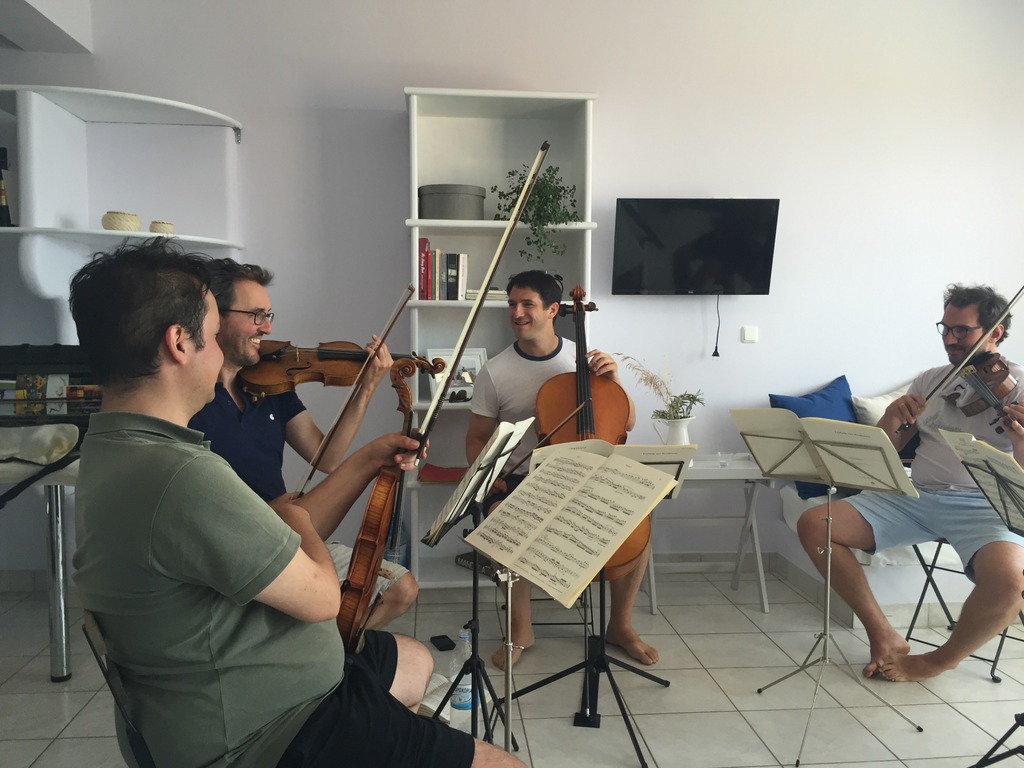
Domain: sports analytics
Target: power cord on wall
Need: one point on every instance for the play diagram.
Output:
(718, 330)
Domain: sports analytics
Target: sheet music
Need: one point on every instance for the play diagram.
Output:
(827, 451)
(479, 477)
(997, 474)
(670, 459)
(563, 523)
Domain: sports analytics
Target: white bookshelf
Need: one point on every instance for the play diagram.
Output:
(76, 153)
(475, 137)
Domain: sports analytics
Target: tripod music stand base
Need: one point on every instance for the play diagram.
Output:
(583, 720)
(988, 759)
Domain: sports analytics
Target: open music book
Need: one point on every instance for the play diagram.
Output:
(568, 517)
(997, 474)
(479, 477)
(837, 453)
(670, 459)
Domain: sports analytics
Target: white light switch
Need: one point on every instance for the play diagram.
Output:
(748, 334)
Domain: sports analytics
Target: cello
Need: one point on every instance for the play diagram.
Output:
(603, 413)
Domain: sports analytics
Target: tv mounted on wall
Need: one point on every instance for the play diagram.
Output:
(701, 246)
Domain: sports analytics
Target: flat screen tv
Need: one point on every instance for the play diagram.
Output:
(706, 246)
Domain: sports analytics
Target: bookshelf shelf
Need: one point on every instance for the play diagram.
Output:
(76, 153)
(475, 137)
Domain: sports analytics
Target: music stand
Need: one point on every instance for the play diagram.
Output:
(837, 453)
(659, 480)
(465, 501)
(1001, 479)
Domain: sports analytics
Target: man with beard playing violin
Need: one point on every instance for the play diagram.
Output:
(506, 390)
(217, 608)
(950, 505)
(251, 436)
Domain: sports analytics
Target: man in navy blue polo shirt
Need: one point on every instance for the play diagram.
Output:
(251, 435)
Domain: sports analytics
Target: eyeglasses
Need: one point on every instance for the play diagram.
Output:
(959, 331)
(258, 315)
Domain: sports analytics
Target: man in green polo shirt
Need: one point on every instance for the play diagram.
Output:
(217, 608)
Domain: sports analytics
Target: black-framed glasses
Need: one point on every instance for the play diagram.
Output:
(959, 331)
(258, 315)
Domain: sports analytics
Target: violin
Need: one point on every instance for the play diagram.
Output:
(989, 375)
(603, 413)
(283, 366)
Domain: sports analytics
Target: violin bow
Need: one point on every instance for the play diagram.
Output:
(967, 358)
(357, 385)
(442, 391)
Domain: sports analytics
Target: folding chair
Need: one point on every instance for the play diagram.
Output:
(929, 584)
(129, 739)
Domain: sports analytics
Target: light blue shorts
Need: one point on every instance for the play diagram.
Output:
(963, 518)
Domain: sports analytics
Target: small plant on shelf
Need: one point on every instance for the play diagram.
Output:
(677, 406)
(551, 202)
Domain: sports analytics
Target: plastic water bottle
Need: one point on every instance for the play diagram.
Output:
(462, 696)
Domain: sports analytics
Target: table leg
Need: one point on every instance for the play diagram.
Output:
(750, 492)
(60, 646)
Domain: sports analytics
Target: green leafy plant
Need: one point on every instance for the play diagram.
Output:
(551, 202)
(677, 406)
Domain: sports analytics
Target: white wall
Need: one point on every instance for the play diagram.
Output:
(890, 131)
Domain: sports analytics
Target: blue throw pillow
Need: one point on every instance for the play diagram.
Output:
(833, 401)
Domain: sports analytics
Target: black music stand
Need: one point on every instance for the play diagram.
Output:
(465, 501)
(836, 453)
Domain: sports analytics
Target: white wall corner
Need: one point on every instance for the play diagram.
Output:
(50, 26)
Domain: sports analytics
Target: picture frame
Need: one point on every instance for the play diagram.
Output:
(473, 359)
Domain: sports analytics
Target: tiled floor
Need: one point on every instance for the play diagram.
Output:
(717, 648)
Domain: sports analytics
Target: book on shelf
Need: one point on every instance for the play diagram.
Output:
(451, 279)
(493, 294)
(462, 277)
(424, 269)
(437, 687)
(432, 473)
(568, 517)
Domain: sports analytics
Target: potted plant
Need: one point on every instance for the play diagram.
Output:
(551, 202)
(678, 407)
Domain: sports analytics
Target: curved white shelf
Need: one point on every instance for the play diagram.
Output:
(469, 226)
(103, 238)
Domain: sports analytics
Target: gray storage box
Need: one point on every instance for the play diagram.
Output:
(451, 201)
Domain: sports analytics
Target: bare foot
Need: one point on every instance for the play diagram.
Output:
(629, 641)
(498, 657)
(906, 668)
(884, 651)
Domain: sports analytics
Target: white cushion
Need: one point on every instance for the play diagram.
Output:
(870, 409)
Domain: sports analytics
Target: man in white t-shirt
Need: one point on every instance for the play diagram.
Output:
(506, 390)
(950, 505)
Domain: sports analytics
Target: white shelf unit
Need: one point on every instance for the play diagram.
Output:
(76, 153)
(476, 137)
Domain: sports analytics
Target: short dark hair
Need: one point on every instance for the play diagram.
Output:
(990, 304)
(548, 286)
(124, 301)
(225, 273)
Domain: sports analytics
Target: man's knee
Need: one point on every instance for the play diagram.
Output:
(809, 527)
(405, 590)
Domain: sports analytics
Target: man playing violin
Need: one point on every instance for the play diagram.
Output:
(251, 436)
(506, 390)
(950, 505)
(217, 607)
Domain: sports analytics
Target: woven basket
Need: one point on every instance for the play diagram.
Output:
(122, 221)
(162, 227)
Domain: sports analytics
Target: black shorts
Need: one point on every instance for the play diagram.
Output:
(361, 724)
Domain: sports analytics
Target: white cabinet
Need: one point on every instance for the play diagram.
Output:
(76, 153)
(477, 137)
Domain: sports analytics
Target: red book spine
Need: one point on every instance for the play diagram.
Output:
(424, 265)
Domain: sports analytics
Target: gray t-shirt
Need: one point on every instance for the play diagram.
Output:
(172, 547)
(506, 387)
(936, 466)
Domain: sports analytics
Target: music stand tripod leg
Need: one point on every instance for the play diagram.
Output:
(825, 637)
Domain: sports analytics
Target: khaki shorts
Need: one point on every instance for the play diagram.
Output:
(388, 574)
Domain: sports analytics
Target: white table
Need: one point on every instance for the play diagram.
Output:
(53, 484)
(713, 470)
